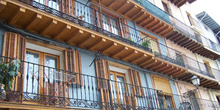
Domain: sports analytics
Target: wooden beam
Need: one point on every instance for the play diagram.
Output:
(48, 27)
(166, 32)
(111, 4)
(130, 10)
(100, 41)
(63, 31)
(152, 63)
(139, 58)
(161, 28)
(2, 5)
(157, 66)
(130, 55)
(184, 39)
(165, 67)
(36, 19)
(119, 52)
(155, 26)
(167, 70)
(177, 73)
(147, 61)
(137, 15)
(113, 45)
(17, 15)
(74, 36)
(122, 7)
(174, 71)
(91, 37)
(152, 22)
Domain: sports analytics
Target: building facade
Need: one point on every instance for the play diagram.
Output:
(108, 54)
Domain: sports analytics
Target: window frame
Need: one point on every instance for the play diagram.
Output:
(115, 74)
(41, 62)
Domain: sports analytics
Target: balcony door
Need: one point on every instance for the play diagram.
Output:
(152, 42)
(110, 24)
(40, 69)
(118, 87)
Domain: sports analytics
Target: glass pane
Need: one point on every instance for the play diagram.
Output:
(31, 74)
(168, 102)
(53, 4)
(40, 1)
(121, 88)
(114, 94)
(105, 22)
(161, 101)
(114, 26)
(50, 69)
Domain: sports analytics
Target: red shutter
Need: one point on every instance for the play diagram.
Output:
(14, 46)
(72, 63)
(124, 28)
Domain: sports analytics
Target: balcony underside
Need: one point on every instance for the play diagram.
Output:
(137, 13)
(191, 45)
(179, 3)
(204, 80)
(39, 22)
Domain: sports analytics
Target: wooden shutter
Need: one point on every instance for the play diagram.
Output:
(97, 16)
(14, 46)
(68, 7)
(162, 84)
(135, 79)
(103, 76)
(124, 28)
(130, 101)
(72, 60)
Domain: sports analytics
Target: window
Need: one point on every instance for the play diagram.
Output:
(207, 67)
(118, 87)
(53, 4)
(152, 42)
(165, 101)
(179, 57)
(36, 73)
(110, 24)
(166, 9)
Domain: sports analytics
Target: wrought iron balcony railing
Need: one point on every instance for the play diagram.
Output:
(44, 85)
(180, 26)
(109, 26)
(200, 67)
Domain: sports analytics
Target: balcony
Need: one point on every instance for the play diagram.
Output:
(190, 38)
(104, 38)
(146, 15)
(100, 37)
(46, 87)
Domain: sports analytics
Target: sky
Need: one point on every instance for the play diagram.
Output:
(212, 7)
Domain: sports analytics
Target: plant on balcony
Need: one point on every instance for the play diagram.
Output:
(9, 70)
(145, 44)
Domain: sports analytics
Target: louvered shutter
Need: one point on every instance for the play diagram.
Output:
(14, 46)
(97, 16)
(68, 7)
(72, 64)
(135, 79)
(124, 28)
(103, 76)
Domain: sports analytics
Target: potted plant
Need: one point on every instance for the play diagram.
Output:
(8, 70)
(145, 44)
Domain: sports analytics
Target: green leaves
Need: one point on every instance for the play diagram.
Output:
(145, 44)
(8, 71)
